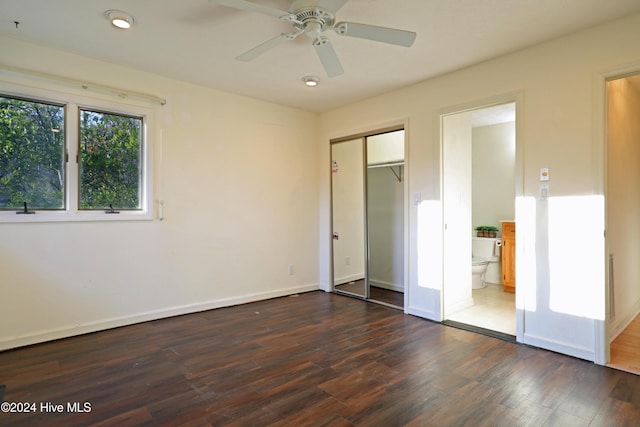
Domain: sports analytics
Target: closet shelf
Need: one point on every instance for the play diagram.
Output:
(391, 166)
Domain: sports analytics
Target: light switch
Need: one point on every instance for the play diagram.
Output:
(543, 192)
(544, 174)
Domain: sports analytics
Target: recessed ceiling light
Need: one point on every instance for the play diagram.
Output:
(120, 19)
(310, 81)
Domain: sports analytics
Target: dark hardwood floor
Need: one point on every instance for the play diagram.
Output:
(386, 296)
(317, 359)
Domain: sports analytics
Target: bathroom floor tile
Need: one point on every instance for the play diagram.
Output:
(493, 309)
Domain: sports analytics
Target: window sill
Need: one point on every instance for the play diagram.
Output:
(62, 216)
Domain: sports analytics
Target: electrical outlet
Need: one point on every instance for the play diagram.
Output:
(347, 261)
(290, 269)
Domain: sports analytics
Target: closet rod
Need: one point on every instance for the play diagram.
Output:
(390, 165)
(84, 85)
(385, 164)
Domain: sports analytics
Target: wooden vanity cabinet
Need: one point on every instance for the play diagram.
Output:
(509, 256)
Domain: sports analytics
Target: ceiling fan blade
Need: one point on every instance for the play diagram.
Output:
(328, 57)
(373, 32)
(332, 5)
(268, 45)
(253, 7)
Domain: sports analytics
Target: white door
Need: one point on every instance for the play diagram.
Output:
(456, 198)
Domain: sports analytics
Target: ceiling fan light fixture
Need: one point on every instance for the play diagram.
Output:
(119, 19)
(310, 81)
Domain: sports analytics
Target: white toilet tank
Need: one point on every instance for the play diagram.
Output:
(489, 249)
(484, 247)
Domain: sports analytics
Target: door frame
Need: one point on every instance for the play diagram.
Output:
(599, 149)
(522, 230)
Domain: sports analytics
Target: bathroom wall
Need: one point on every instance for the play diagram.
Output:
(623, 199)
(493, 177)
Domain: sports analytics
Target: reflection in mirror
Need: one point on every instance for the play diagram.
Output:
(347, 186)
(385, 217)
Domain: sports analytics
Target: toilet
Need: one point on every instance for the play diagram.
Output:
(478, 270)
(485, 262)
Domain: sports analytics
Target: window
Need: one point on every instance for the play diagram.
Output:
(72, 159)
(32, 166)
(110, 160)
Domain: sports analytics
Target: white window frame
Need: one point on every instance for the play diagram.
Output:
(73, 103)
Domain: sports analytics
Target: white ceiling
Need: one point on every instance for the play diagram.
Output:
(197, 40)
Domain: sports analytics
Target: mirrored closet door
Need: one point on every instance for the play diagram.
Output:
(368, 216)
(347, 186)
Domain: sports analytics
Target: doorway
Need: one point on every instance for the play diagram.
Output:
(368, 214)
(479, 198)
(623, 230)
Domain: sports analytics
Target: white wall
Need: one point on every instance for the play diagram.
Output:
(558, 86)
(623, 199)
(239, 181)
(493, 177)
(385, 147)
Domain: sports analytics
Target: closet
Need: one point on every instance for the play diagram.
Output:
(367, 181)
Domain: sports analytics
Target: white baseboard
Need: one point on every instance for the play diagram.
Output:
(419, 312)
(618, 326)
(100, 325)
(347, 279)
(560, 347)
(386, 285)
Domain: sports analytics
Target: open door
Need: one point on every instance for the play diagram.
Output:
(456, 198)
(479, 200)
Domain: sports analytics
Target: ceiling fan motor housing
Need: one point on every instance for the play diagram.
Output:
(313, 21)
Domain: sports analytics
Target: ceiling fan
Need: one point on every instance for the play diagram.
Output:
(312, 18)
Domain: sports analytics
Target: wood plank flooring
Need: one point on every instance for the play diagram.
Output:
(316, 359)
(386, 296)
(625, 349)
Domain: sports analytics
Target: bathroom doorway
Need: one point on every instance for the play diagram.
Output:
(368, 216)
(479, 198)
(623, 209)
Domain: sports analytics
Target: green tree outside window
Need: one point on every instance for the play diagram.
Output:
(31, 154)
(110, 161)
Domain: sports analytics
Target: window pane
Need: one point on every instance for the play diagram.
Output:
(31, 154)
(110, 161)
